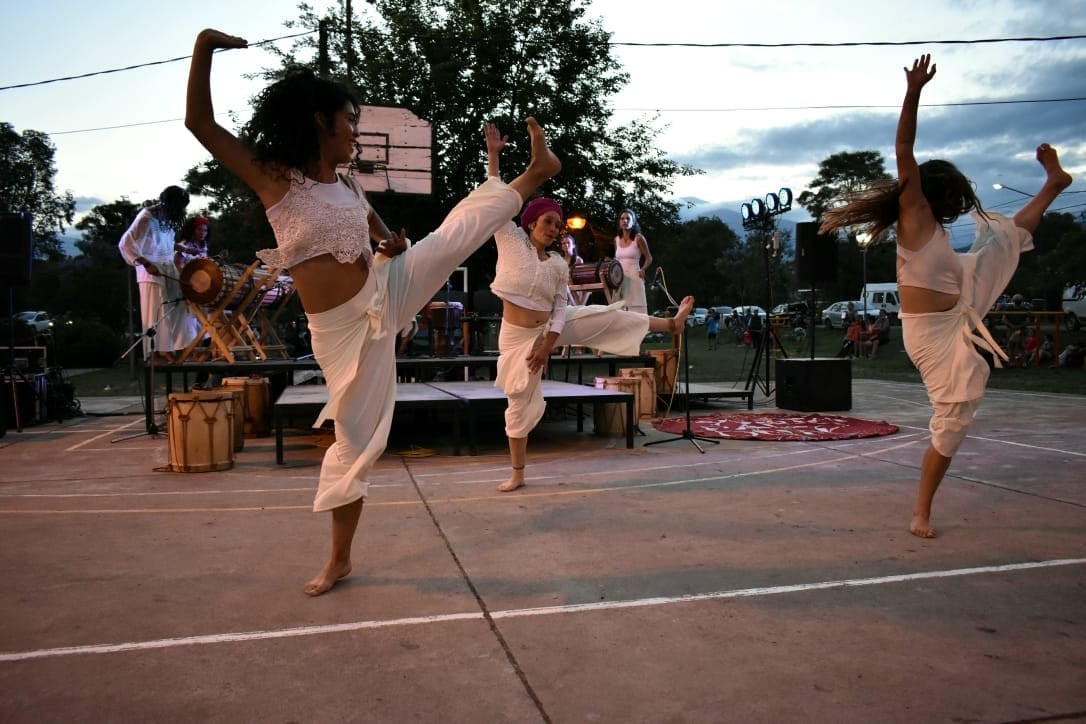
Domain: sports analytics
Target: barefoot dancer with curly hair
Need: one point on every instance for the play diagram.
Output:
(302, 130)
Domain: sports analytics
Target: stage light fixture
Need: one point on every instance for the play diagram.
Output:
(757, 207)
(772, 203)
(785, 197)
(746, 213)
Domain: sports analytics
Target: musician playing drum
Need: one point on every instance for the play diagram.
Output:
(148, 245)
(532, 283)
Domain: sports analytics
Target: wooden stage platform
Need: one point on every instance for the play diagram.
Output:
(464, 400)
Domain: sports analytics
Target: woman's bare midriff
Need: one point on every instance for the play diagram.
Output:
(917, 300)
(522, 317)
(324, 283)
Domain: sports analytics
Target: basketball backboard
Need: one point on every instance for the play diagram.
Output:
(396, 151)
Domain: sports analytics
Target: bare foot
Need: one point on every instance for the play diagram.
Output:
(327, 578)
(514, 482)
(685, 307)
(921, 527)
(1050, 161)
(544, 163)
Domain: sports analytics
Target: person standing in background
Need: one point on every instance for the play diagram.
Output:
(632, 252)
(148, 245)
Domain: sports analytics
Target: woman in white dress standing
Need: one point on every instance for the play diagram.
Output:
(632, 252)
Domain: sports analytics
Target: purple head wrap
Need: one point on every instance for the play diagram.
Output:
(536, 208)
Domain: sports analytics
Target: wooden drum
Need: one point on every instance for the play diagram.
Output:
(667, 369)
(444, 324)
(646, 390)
(609, 418)
(201, 431)
(257, 404)
(609, 271)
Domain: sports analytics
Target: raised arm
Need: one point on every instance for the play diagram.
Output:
(227, 148)
(915, 218)
(495, 142)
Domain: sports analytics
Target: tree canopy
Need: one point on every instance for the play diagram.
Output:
(26, 185)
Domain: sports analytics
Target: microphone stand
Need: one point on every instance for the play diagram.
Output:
(659, 282)
(151, 428)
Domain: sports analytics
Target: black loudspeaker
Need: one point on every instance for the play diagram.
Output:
(814, 385)
(16, 249)
(816, 254)
(29, 394)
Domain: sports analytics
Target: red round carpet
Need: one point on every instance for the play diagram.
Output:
(776, 426)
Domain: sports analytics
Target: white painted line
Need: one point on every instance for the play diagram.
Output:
(524, 612)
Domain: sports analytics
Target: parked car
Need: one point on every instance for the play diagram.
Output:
(833, 316)
(793, 314)
(1074, 305)
(40, 322)
(749, 310)
(699, 316)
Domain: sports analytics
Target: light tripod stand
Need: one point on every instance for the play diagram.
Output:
(659, 282)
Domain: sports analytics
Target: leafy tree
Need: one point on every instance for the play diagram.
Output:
(839, 175)
(695, 256)
(102, 228)
(26, 185)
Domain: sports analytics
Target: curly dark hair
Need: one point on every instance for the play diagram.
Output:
(948, 192)
(171, 206)
(283, 129)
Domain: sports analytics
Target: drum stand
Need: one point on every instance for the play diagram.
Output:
(687, 433)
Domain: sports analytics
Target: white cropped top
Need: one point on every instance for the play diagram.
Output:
(315, 218)
(526, 280)
(933, 266)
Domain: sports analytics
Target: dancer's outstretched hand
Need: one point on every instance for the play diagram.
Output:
(495, 141)
(919, 75)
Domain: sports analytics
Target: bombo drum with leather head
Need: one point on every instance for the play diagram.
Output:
(201, 431)
(606, 271)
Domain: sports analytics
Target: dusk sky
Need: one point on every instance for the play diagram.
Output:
(754, 119)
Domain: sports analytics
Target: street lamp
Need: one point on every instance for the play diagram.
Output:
(999, 187)
(865, 240)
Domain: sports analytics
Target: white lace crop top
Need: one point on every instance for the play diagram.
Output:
(315, 218)
(933, 266)
(522, 278)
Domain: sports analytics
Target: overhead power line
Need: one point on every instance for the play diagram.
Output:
(856, 44)
(871, 43)
(140, 65)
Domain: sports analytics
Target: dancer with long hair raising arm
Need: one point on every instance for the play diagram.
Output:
(944, 295)
(532, 283)
(303, 128)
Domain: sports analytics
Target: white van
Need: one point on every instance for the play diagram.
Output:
(880, 295)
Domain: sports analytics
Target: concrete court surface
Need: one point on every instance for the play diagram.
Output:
(758, 582)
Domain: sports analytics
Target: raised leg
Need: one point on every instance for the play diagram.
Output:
(543, 165)
(1055, 182)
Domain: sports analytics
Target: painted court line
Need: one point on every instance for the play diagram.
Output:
(523, 612)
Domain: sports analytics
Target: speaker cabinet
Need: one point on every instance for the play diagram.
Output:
(16, 249)
(821, 384)
(816, 254)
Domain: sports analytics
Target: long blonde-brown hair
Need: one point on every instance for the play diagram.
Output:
(947, 190)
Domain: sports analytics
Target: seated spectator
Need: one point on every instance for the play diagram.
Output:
(851, 346)
(878, 332)
(1016, 326)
